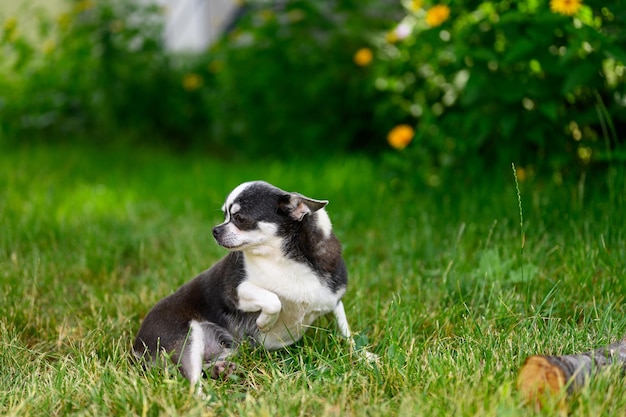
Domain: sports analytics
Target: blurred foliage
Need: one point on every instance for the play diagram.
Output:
(89, 73)
(454, 86)
(286, 77)
(538, 83)
(281, 81)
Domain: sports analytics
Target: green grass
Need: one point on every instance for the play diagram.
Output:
(440, 287)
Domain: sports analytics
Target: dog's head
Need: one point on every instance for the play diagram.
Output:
(258, 217)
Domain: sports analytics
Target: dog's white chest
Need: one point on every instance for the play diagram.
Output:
(303, 298)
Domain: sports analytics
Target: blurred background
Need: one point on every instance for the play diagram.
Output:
(429, 89)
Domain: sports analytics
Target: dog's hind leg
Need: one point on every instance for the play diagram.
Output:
(191, 358)
(219, 344)
(207, 346)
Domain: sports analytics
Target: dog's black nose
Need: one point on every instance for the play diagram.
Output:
(216, 232)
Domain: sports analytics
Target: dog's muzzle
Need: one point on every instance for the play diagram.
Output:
(218, 231)
(224, 237)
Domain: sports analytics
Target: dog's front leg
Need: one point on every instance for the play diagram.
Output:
(344, 329)
(253, 298)
(342, 321)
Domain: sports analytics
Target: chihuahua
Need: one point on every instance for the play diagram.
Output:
(283, 271)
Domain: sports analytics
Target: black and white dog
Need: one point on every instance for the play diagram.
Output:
(284, 270)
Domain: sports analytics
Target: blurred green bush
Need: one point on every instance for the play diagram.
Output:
(538, 83)
(286, 77)
(88, 73)
(281, 82)
(455, 87)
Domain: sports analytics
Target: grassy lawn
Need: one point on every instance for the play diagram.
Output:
(440, 287)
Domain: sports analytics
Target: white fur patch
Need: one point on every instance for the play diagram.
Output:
(261, 241)
(253, 298)
(342, 321)
(302, 296)
(323, 222)
(235, 193)
(195, 351)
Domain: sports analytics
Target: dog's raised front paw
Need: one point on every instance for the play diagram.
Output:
(222, 369)
(265, 321)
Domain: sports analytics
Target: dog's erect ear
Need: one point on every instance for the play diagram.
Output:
(298, 206)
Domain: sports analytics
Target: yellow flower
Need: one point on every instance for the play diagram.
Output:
(436, 15)
(416, 5)
(363, 57)
(565, 7)
(392, 36)
(400, 136)
(192, 82)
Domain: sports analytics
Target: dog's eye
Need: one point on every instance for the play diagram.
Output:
(239, 218)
